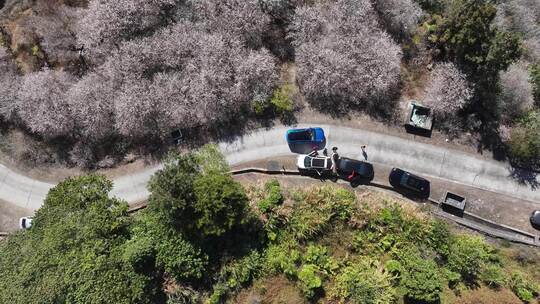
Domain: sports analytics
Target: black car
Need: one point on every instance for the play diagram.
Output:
(363, 171)
(410, 183)
(535, 219)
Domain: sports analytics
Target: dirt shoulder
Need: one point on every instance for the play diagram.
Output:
(9, 216)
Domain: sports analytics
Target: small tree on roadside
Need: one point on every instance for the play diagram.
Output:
(524, 142)
(516, 96)
(448, 90)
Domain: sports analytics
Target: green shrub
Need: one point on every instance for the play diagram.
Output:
(363, 282)
(492, 275)
(284, 259)
(525, 140)
(237, 274)
(394, 268)
(273, 197)
(281, 99)
(317, 210)
(469, 255)
(180, 259)
(309, 280)
(318, 255)
(524, 289)
(388, 229)
(439, 238)
(260, 107)
(421, 278)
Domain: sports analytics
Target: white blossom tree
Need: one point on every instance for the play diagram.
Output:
(105, 24)
(91, 104)
(9, 83)
(344, 59)
(400, 16)
(243, 19)
(42, 103)
(448, 90)
(516, 97)
(185, 77)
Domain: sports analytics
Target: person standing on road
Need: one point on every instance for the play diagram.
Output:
(335, 158)
(364, 153)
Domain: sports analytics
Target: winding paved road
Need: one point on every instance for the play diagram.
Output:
(427, 160)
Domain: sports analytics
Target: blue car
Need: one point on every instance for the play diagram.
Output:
(314, 136)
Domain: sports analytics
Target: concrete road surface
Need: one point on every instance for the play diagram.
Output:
(423, 159)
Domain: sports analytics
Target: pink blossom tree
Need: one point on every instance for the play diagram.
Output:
(9, 83)
(516, 96)
(91, 104)
(42, 103)
(344, 59)
(105, 24)
(448, 90)
(400, 16)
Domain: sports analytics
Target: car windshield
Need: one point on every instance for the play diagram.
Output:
(301, 135)
(307, 162)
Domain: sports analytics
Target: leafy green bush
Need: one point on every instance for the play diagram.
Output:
(421, 278)
(279, 104)
(220, 204)
(525, 140)
(492, 275)
(363, 282)
(273, 197)
(439, 238)
(389, 228)
(318, 255)
(237, 274)
(179, 258)
(310, 281)
(317, 210)
(522, 287)
(281, 99)
(283, 258)
(469, 256)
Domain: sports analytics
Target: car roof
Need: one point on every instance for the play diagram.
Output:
(349, 164)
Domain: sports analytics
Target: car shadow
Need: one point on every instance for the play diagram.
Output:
(305, 148)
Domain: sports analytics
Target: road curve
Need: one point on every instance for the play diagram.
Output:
(424, 159)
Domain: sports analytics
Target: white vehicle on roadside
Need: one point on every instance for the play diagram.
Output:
(25, 222)
(311, 162)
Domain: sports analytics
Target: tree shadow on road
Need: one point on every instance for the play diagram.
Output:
(525, 177)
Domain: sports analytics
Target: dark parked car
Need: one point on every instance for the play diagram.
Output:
(535, 219)
(410, 183)
(355, 171)
(314, 136)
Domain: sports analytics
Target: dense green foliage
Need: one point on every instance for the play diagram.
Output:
(466, 36)
(74, 252)
(525, 140)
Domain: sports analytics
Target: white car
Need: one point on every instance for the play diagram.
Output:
(316, 163)
(25, 222)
